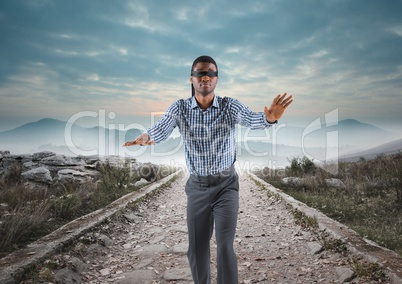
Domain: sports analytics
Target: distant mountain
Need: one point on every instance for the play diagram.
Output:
(59, 135)
(349, 132)
(33, 131)
(358, 131)
(384, 149)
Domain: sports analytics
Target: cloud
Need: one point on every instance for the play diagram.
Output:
(88, 54)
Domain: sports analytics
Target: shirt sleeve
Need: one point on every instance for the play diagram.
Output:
(164, 127)
(248, 118)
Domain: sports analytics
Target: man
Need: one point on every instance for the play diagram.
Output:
(207, 125)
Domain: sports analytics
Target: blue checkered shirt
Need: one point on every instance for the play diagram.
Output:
(208, 136)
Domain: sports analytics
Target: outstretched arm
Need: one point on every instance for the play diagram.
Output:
(277, 108)
(142, 140)
(160, 131)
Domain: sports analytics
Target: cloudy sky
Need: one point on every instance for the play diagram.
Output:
(131, 59)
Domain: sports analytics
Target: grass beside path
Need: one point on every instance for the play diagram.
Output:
(368, 199)
(28, 214)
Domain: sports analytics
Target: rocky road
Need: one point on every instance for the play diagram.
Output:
(148, 244)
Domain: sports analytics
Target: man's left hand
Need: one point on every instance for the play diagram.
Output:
(277, 108)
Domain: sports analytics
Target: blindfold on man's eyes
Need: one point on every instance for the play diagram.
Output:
(204, 73)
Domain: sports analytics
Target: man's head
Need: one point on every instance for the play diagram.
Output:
(204, 75)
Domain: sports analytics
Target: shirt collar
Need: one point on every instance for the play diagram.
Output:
(214, 102)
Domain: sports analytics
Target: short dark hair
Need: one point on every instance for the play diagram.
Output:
(202, 58)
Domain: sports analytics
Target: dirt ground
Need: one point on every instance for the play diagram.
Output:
(148, 244)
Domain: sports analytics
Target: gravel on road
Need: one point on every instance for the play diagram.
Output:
(148, 244)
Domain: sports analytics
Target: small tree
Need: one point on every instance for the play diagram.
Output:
(115, 177)
(307, 165)
(301, 166)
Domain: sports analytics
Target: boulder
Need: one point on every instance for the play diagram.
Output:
(40, 174)
(148, 171)
(345, 274)
(41, 155)
(22, 158)
(77, 265)
(89, 160)
(67, 276)
(334, 182)
(48, 167)
(61, 160)
(29, 165)
(291, 180)
(4, 153)
(141, 182)
(71, 172)
(71, 176)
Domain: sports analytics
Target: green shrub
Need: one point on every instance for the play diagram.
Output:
(305, 221)
(11, 176)
(369, 271)
(300, 167)
(66, 207)
(22, 224)
(116, 178)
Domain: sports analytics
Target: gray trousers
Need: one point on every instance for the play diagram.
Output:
(212, 199)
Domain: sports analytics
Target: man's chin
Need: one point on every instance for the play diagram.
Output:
(205, 94)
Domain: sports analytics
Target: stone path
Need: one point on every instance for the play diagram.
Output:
(148, 244)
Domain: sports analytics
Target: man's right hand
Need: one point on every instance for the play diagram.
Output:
(142, 140)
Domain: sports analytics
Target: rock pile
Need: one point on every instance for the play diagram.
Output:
(49, 168)
(329, 182)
